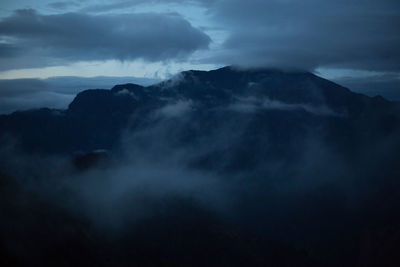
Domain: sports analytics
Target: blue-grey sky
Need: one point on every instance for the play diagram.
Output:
(343, 40)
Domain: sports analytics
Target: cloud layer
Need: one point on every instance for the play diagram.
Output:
(311, 33)
(29, 39)
(308, 35)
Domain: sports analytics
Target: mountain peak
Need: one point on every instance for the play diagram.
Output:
(229, 82)
(229, 89)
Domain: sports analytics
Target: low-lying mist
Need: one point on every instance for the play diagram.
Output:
(181, 169)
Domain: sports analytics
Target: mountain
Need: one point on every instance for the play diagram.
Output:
(296, 170)
(96, 118)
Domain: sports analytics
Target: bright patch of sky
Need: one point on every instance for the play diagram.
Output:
(114, 68)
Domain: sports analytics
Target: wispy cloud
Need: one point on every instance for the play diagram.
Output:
(252, 104)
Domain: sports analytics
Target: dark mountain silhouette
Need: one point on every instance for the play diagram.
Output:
(309, 169)
(95, 119)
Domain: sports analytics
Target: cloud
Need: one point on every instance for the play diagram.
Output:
(62, 5)
(252, 104)
(175, 80)
(179, 108)
(147, 173)
(311, 33)
(119, 5)
(29, 39)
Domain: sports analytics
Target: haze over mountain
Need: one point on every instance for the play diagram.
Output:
(103, 114)
(199, 133)
(229, 167)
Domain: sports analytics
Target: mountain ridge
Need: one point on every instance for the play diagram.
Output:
(97, 117)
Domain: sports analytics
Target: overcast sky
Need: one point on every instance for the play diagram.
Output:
(357, 40)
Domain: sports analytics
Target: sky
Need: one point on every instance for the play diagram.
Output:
(353, 42)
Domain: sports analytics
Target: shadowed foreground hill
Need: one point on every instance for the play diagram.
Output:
(228, 167)
(180, 233)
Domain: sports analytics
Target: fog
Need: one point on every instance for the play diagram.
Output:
(290, 181)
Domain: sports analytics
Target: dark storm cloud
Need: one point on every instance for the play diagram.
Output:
(311, 33)
(116, 5)
(37, 40)
(62, 5)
